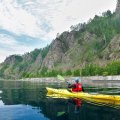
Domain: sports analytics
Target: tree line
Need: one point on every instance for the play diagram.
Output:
(112, 68)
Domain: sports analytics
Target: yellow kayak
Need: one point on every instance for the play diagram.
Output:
(83, 95)
(98, 102)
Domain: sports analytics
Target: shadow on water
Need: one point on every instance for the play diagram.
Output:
(28, 101)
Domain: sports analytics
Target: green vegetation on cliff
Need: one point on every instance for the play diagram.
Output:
(112, 68)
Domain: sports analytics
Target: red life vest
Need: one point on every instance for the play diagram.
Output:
(78, 88)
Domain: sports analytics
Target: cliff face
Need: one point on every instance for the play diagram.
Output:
(58, 49)
(13, 59)
(112, 51)
(118, 6)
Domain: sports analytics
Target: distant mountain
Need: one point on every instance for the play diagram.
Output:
(95, 42)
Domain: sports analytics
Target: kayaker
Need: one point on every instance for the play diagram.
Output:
(77, 87)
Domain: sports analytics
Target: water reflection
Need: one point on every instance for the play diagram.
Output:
(27, 101)
(22, 101)
(64, 115)
(85, 112)
(20, 112)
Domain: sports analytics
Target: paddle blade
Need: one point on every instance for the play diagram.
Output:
(60, 77)
(60, 114)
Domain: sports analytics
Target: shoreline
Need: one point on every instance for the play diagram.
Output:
(109, 81)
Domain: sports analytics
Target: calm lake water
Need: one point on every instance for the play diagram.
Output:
(28, 101)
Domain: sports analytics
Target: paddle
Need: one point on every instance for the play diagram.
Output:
(60, 77)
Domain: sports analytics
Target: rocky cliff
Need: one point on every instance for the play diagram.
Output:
(118, 6)
(59, 47)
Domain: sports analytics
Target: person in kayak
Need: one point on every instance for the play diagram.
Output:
(77, 87)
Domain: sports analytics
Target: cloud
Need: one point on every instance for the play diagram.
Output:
(11, 43)
(29, 24)
(12, 46)
(45, 18)
(17, 20)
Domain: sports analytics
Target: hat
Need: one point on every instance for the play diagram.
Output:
(77, 79)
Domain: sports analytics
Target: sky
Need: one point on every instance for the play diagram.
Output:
(29, 24)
